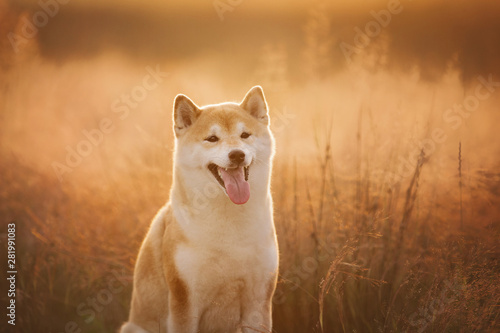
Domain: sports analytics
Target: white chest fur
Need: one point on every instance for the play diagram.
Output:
(227, 266)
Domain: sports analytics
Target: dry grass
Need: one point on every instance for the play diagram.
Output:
(338, 273)
(360, 250)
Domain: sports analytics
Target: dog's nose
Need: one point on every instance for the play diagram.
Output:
(236, 156)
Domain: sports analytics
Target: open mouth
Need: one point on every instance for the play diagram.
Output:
(234, 181)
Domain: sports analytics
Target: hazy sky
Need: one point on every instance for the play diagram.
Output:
(276, 5)
(431, 35)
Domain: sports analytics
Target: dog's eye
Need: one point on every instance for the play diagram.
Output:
(212, 138)
(245, 135)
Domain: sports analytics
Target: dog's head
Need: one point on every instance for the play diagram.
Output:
(228, 142)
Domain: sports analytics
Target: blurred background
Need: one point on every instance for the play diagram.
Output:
(386, 181)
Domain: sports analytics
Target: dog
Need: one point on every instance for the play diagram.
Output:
(209, 262)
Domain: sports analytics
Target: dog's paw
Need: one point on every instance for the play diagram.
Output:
(132, 328)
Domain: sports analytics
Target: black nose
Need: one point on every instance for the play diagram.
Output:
(236, 156)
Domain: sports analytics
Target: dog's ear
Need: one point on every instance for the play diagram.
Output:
(185, 114)
(255, 104)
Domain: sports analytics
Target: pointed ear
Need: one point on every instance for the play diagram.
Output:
(255, 104)
(185, 114)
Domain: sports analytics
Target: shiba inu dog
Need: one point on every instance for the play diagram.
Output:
(209, 262)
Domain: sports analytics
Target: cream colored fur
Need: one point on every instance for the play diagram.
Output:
(207, 264)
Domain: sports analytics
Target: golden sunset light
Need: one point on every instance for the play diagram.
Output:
(351, 184)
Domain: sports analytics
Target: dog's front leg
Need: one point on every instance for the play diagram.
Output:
(182, 318)
(257, 317)
(179, 326)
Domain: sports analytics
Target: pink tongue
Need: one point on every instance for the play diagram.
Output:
(237, 187)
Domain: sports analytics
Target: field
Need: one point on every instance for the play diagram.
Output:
(387, 203)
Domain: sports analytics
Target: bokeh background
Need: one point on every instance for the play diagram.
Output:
(386, 178)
